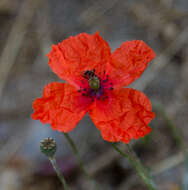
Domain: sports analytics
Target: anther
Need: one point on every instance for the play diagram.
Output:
(105, 97)
(106, 80)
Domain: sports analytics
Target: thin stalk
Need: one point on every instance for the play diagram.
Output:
(170, 124)
(176, 134)
(136, 163)
(58, 172)
(76, 153)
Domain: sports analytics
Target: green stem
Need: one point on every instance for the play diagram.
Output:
(170, 124)
(76, 153)
(58, 172)
(136, 163)
(176, 134)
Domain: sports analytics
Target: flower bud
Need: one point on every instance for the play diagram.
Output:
(48, 147)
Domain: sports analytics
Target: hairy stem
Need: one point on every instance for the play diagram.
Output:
(136, 163)
(76, 153)
(58, 172)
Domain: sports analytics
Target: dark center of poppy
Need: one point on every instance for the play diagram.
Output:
(96, 85)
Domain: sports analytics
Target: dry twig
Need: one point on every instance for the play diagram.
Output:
(15, 40)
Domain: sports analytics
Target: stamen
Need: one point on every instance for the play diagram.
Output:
(98, 84)
(105, 97)
(106, 80)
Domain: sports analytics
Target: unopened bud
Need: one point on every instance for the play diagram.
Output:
(48, 147)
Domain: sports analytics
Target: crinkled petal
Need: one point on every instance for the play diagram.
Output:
(73, 56)
(129, 62)
(61, 106)
(124, 116)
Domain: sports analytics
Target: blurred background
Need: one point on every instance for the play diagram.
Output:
(28, 29)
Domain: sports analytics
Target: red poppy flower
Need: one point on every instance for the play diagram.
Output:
(96, 78)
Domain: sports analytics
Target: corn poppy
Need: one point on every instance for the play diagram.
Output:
(95, 84)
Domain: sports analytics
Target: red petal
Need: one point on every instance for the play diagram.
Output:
(61, 106)
(124, 116)
(129, 62)
(73, 56)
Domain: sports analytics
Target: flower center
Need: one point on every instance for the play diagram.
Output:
(94, 83)
(95, 86)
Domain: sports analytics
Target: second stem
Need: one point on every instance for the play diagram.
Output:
(136, 163)
(76, 153)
